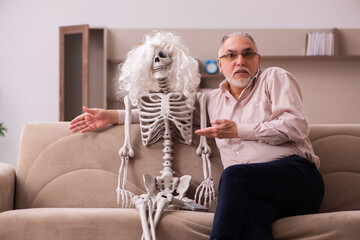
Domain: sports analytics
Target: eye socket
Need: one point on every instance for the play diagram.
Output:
(232, 55)
(248, 54)
(162, 54)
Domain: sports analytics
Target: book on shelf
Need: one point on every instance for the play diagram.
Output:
(321, 43)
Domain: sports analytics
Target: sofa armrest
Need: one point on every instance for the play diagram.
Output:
(7, 187)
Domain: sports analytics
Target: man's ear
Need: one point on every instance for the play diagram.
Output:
(219, 63)
(259, 56)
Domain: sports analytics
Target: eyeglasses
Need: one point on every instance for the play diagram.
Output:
(246, 54)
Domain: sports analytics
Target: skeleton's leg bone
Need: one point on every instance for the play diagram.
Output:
(143, 204)
(161, 204)
(152, 226)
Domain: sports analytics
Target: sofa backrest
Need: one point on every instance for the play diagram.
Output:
(57, 168)
(338, 147)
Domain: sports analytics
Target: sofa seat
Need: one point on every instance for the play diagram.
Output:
(124, 224)
(64, 187)
(99, 223)
(322, 226)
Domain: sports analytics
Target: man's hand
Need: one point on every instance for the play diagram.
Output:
(222, 128)
(92, 119)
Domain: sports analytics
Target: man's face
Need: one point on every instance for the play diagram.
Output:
(239, 61)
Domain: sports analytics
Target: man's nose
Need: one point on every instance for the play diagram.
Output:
(240, 60)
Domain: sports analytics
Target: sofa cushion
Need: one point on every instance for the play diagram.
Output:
(343, 225)
(7, 186)
(99, 223)
(338, 149)
(57, 168)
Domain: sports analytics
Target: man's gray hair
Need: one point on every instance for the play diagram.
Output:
(244, 34)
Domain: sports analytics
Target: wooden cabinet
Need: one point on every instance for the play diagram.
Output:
(82, 69)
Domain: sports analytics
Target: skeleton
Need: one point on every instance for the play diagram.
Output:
(164, 114)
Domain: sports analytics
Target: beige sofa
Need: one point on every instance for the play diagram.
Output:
(65, 187)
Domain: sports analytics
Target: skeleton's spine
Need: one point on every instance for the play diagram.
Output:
(167, 145)
(164, 85)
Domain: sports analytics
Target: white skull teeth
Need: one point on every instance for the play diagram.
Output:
(159, 68)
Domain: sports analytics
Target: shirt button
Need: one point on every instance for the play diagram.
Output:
(238, 153)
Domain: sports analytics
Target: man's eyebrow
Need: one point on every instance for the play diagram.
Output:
(244, 50)
(248, 49)
(232, 51)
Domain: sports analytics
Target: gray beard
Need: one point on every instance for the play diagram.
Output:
(239, 84)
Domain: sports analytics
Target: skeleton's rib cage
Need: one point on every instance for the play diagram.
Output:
(157, 108)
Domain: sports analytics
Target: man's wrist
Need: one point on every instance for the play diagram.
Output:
(113, 116)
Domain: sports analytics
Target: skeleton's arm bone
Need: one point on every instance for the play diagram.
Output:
(134, 116)
(197, 111)
(203, 146)
(206, 188)
(127, 150)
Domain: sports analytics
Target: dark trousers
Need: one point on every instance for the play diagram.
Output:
(252, 196)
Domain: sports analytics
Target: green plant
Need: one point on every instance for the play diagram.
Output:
(2, 129)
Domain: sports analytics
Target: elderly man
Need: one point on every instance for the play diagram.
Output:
(260, 127)
(261, 131)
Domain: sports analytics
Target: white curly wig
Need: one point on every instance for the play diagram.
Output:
(135, 76)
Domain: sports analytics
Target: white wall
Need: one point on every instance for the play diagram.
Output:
(29, 40)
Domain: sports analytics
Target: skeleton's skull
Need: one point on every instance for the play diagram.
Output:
(161, 64)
